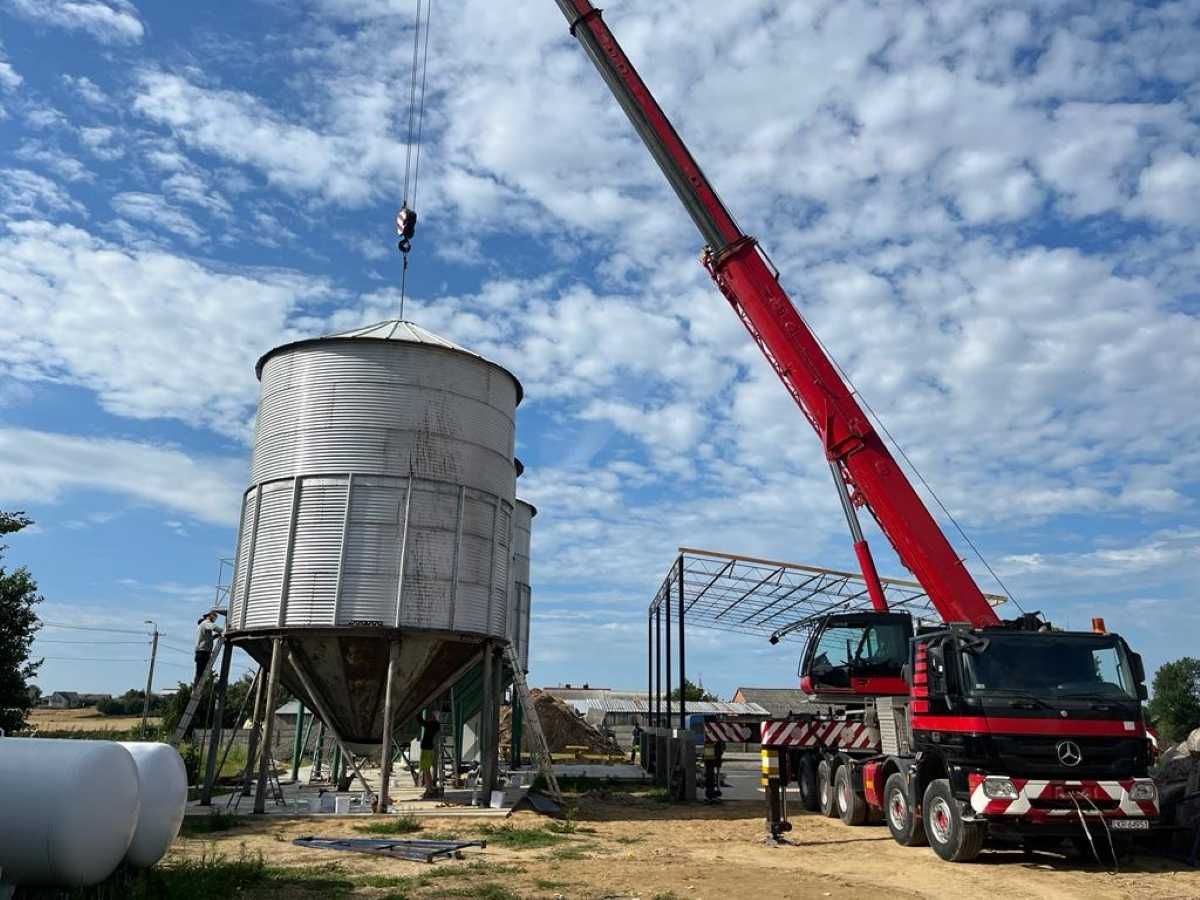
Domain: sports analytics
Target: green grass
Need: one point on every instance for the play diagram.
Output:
(658, 795)
(545, 884)
(436, 876)
(207, 877)
(520, 838)
(214, 821)
(571, 853)
(405, 824)
(489, 890)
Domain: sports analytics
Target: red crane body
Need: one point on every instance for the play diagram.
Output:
(750, 283)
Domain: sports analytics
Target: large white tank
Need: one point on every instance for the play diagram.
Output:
(377, 449)
(162, 785)
(68, 810)
(380, 510)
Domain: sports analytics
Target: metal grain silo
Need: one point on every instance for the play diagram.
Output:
(380, 513)
(521, 594)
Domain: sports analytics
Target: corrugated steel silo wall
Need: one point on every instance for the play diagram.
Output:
(519, 601)
(374, 458)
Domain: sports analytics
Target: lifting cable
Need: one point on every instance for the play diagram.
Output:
(406, 218)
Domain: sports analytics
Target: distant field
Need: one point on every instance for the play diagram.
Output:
(82, 720)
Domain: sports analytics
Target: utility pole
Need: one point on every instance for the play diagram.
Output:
(149, 677)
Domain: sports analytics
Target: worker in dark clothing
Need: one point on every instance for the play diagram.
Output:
(637, 740)
(207, 630)
(430, 727)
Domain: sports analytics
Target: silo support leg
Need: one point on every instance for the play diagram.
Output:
(489, 722)
(214, 742)
(255, 733)
(385, 762)
(264, 758)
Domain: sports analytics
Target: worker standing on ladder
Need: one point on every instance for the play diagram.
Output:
(207, 630)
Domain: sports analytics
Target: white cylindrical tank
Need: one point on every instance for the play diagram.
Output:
(382, 487)
(162, 781)
(68, 810)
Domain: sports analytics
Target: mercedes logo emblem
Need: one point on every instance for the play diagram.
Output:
(1069, 753)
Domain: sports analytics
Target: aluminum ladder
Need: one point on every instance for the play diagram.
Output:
(541, 750)
(189, 711)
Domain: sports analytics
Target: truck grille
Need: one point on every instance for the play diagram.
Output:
(1104, 757)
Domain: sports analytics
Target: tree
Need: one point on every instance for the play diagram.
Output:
(18, 625)
(1175, 707)
(694, 693)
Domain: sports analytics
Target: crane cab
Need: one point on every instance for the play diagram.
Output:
(857, 654)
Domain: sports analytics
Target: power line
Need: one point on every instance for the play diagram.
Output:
(91, 643)
(90, 628)
(94, 659)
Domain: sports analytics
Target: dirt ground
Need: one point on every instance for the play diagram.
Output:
(626, 847)
(82, 720)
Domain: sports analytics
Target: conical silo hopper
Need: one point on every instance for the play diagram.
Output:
(380, 510)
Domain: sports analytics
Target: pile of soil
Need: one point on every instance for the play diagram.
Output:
(563, 727)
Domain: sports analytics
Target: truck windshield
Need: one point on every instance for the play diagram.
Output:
(876, 648)
(1049, 665)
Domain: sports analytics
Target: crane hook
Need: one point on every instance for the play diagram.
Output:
(406, 227)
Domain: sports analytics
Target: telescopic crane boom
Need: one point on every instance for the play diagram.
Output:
(865, 473)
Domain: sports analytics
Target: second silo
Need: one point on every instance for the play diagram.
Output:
(380, 510)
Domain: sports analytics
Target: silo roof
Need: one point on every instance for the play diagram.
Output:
(400, 330)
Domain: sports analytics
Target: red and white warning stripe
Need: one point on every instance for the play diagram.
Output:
(834, 733)
(729, 732)
(1040, 800)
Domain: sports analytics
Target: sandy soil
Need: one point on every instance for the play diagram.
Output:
(638, 848)
(82, 720)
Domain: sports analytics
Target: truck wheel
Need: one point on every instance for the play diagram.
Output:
(807, 777)
(951, 838)
(851, 805)
(907, 828)
(826, 802)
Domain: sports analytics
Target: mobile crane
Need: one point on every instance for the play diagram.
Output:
(971, 729)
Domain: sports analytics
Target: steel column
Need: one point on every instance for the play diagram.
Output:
(252, 741)
(657, 666)
(682, 653)
(389, 709)
(488, 733)
(666, 601)
(649, 665)
(299, 741)
(264, 757)
(214, 737)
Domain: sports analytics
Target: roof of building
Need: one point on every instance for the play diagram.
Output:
(569, 692)
(291, 708)
(639, 705)
(777, 701)
(399, 330)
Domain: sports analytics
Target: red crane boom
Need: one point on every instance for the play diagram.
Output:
(864, 471)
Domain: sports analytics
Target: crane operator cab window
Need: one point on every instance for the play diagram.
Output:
(855, 646)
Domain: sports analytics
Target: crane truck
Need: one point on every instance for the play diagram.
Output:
(955, 732)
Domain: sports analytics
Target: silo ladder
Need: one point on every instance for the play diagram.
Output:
(541, 750)
(189, 711)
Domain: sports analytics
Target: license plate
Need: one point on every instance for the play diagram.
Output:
(1130, 824)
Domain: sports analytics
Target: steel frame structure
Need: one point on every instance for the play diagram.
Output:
(753, 596)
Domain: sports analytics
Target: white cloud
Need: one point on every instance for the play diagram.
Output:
(155, 210)
(100, 141)
(40, 467)
(54, 159)
(1169, 189)
(155, 335)
(24, 193)
(10, 80)
(88, 90)
(345, 168)
(109, 21)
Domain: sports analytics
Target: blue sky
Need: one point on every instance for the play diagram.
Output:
(987, 212)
